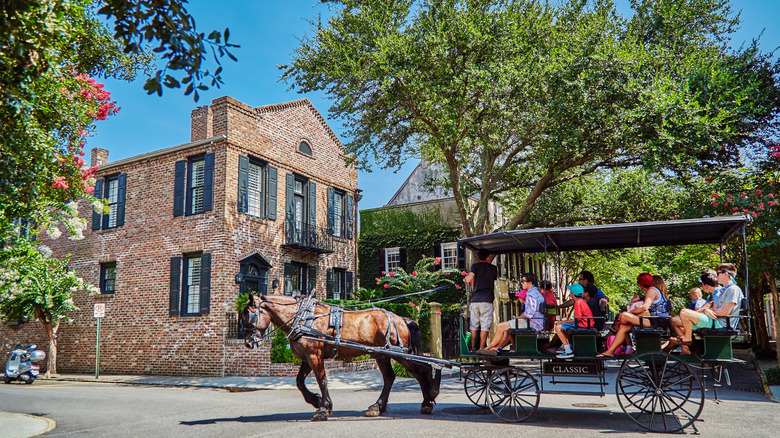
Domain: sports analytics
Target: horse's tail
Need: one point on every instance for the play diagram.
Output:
(415, 337)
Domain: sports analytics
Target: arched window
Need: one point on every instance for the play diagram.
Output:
(304, 148)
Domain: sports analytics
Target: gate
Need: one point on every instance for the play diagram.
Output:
(450, 336)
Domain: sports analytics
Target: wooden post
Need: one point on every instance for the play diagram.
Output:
(436, 342)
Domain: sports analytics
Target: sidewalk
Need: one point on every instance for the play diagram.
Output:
(764, 365)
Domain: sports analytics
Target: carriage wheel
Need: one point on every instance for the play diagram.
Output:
(659, 392)
(513, 394)
(475, 383)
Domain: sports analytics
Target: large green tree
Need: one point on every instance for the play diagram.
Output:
(517, 97)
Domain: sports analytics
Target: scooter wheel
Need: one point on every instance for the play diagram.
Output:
(30, 380)
(7, 379)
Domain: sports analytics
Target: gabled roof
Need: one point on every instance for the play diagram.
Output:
(421, 172)
(299, 103)
(627, 235)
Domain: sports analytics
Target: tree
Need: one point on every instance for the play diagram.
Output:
(518, 97)
(36, 286)
(49, 52)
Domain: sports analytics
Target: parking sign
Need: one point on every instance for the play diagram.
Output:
(100, 310)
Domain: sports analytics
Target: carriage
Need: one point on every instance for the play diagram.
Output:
(661, 392)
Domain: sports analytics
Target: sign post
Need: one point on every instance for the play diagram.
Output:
(99, 313)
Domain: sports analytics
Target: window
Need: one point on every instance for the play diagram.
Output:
(190, 293)
(193, 187)
(256, 188)
(304, 148)
(299, 278)
(449, 256)
(340, 215)
(392, 259)
(112, 190)
(301, 210)
(108, 278)
(339, 284)
(23, 227)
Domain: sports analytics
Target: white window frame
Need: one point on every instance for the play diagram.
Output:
(255, 174)
(449, 256)
(392, 258)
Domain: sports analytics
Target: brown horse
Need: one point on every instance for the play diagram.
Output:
(371, 327)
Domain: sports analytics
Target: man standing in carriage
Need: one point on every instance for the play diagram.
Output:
(482, 278)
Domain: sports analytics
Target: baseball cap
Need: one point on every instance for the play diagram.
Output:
(575, 289)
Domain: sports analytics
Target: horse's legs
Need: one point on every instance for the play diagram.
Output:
(310, 397)
(326, 405)
(429, 383)
(388, 375)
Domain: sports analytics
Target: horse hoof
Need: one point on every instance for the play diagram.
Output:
(427, 410)
(372, 412)
(320, 416)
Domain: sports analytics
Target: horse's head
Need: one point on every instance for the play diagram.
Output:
(253, 321)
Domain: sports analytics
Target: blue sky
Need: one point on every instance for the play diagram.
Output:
(268, 31)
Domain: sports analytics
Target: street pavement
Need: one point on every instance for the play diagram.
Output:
(23, 425)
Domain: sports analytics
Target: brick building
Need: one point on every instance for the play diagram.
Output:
(260, 200)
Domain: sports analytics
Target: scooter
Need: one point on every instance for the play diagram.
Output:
(22, 364)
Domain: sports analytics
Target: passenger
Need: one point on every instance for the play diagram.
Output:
(531, 317)
(655, 304)
(726, 304)
(697, 300)
(482, 278)
(550, 299)
(584, 278)
(709, 283)
(581, 310)
(595, 305)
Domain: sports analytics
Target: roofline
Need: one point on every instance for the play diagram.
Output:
(160, 152)
(296, 103)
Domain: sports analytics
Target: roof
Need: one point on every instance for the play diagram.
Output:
(626, 235)
(276, 107)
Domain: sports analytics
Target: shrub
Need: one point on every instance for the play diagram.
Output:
(280, 349)
(400, 371)
(772, 376)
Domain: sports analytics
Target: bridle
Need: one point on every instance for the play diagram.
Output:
(252, 318)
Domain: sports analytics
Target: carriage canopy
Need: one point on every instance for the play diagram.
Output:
(707, 230)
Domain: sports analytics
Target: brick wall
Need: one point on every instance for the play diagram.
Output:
(138, 336)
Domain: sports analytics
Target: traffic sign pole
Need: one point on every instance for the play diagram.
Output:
(97, 350)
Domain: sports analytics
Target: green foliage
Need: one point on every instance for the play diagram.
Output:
(400, 371)
(772, 376)
(521, 96)
(280, 349)
(241, 301)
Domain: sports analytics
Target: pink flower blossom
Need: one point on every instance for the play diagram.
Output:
(438, 313)
(742, 196)
(414, 273)
(458, 287)
(736, 208)
(386, 285)
(715, 195)
(59, 183)
(392, 274)
(714, 203)
(447, 273)
(708, 179)
(88, 188)
(411, 304)
(383, 272)
(437, 261)
(463, 273)
(378, 280)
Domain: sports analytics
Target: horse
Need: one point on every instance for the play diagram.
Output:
(370, 327)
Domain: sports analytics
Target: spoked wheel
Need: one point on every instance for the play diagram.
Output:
(659, 392)
(513, 394)
(476, 385)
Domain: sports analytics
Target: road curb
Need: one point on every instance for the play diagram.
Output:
(764, 382)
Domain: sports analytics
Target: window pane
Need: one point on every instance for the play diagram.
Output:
(196, 183)
(112, 196)
(193, 285)
(449, 256)
(109, 278)
(392, 259)
(254, 188)
(338, 211)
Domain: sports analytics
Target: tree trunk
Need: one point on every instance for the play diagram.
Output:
(51, 332)
(759, 315)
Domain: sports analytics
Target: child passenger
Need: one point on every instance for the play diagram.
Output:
(581, 310)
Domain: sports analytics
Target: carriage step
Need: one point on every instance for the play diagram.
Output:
(572, 382)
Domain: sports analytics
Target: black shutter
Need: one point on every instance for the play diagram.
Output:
(271, 207)
(178, 187)
(330, 284)
(312, 278)
(402, 257)
(102, 282)
(243, 182)
(289, 205)
(437, 253)
(288, 273)
(208, 183)
(382, 260)
(173, 299)
(98, 193)
(312, 205)
(349, 286)
(331, 210)
(120, 196)
(461, 258)
(205, 284)
(350, 216)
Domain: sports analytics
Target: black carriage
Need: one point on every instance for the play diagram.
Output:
(659, 391)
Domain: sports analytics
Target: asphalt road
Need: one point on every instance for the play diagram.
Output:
(83, 409)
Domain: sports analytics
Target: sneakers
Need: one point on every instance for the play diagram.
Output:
(565, 355)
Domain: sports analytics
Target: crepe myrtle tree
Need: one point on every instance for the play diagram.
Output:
(35, 285)
(516, 97)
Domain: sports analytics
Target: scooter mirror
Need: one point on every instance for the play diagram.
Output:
(32, 347)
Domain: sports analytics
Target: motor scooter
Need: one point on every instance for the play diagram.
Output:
(21, 366)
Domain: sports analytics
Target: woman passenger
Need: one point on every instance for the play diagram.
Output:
(654, 305)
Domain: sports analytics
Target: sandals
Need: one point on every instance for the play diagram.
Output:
(605, 355)
(675, 342)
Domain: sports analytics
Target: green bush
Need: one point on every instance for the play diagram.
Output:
(400, 371)
(280, 349)
(772, 376)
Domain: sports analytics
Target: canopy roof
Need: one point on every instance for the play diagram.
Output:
(610, 236)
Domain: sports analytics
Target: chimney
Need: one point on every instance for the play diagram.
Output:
(99, 157)
(201, 126)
